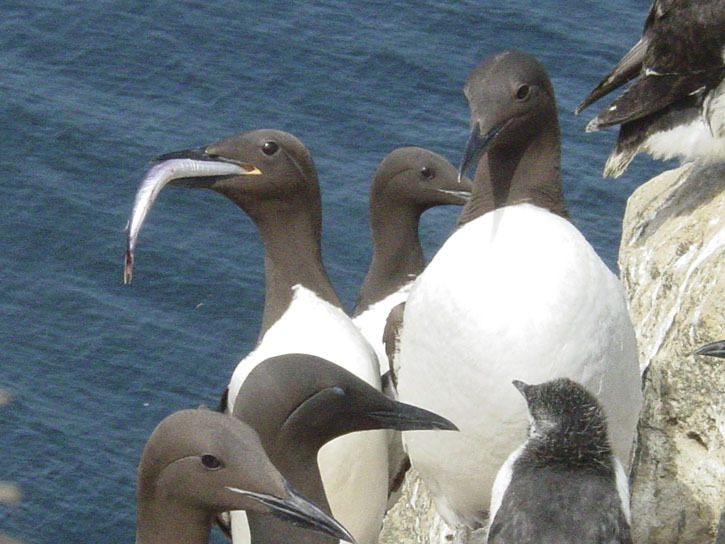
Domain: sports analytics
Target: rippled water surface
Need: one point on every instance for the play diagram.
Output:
(92, 91)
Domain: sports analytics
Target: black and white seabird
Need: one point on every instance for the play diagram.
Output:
(409, 181)
(676, 106)
(515, 293)
(563, 485)
(270, 175)
(713, 349)
(297, 403)
(199, 463)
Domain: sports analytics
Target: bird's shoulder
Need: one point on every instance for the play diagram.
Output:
(685, 37)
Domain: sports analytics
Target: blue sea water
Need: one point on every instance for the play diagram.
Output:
(92, 91)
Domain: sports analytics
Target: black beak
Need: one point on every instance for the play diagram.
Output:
(197, 154)
(200, 154)
(713, 349)
(476, 147)
(404, 417)
(299, 511)
(459, 194)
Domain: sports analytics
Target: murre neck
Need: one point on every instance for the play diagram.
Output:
(408, 181)
(293, 254)
(197, 464)
(187, 525)
(519, 172)
(397, 254)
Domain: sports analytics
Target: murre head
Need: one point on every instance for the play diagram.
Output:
(302, 400)
(417, 179)
(567, 423)
(286, 175)
(409, 181)
(299, 402)
(198, 463)
(514, 136)
(270, 175)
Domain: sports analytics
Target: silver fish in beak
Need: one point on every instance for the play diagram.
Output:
(175, 171)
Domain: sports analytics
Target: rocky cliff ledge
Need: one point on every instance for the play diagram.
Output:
(672, 261)
(414, 520)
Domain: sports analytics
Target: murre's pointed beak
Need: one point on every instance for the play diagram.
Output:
(295, 509)
(457, 197)
(476, 146)
(457, 194)
(713, 349)
(374, 410)
(404, 417)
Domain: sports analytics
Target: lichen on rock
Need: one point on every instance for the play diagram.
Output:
(672, 262)
(414, 520)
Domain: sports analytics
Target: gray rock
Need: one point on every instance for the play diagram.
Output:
(414, 520)
(672, 262)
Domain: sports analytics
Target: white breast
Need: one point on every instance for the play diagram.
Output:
(354, 467)
(372, 322)
(622, 488)
(516, 294)
(311, 325)
(501, 483)
(703, 139)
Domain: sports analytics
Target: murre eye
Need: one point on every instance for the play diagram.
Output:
(427, 173)
(523, 92)
(339, 391)
(270, 147)
(210, 462)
